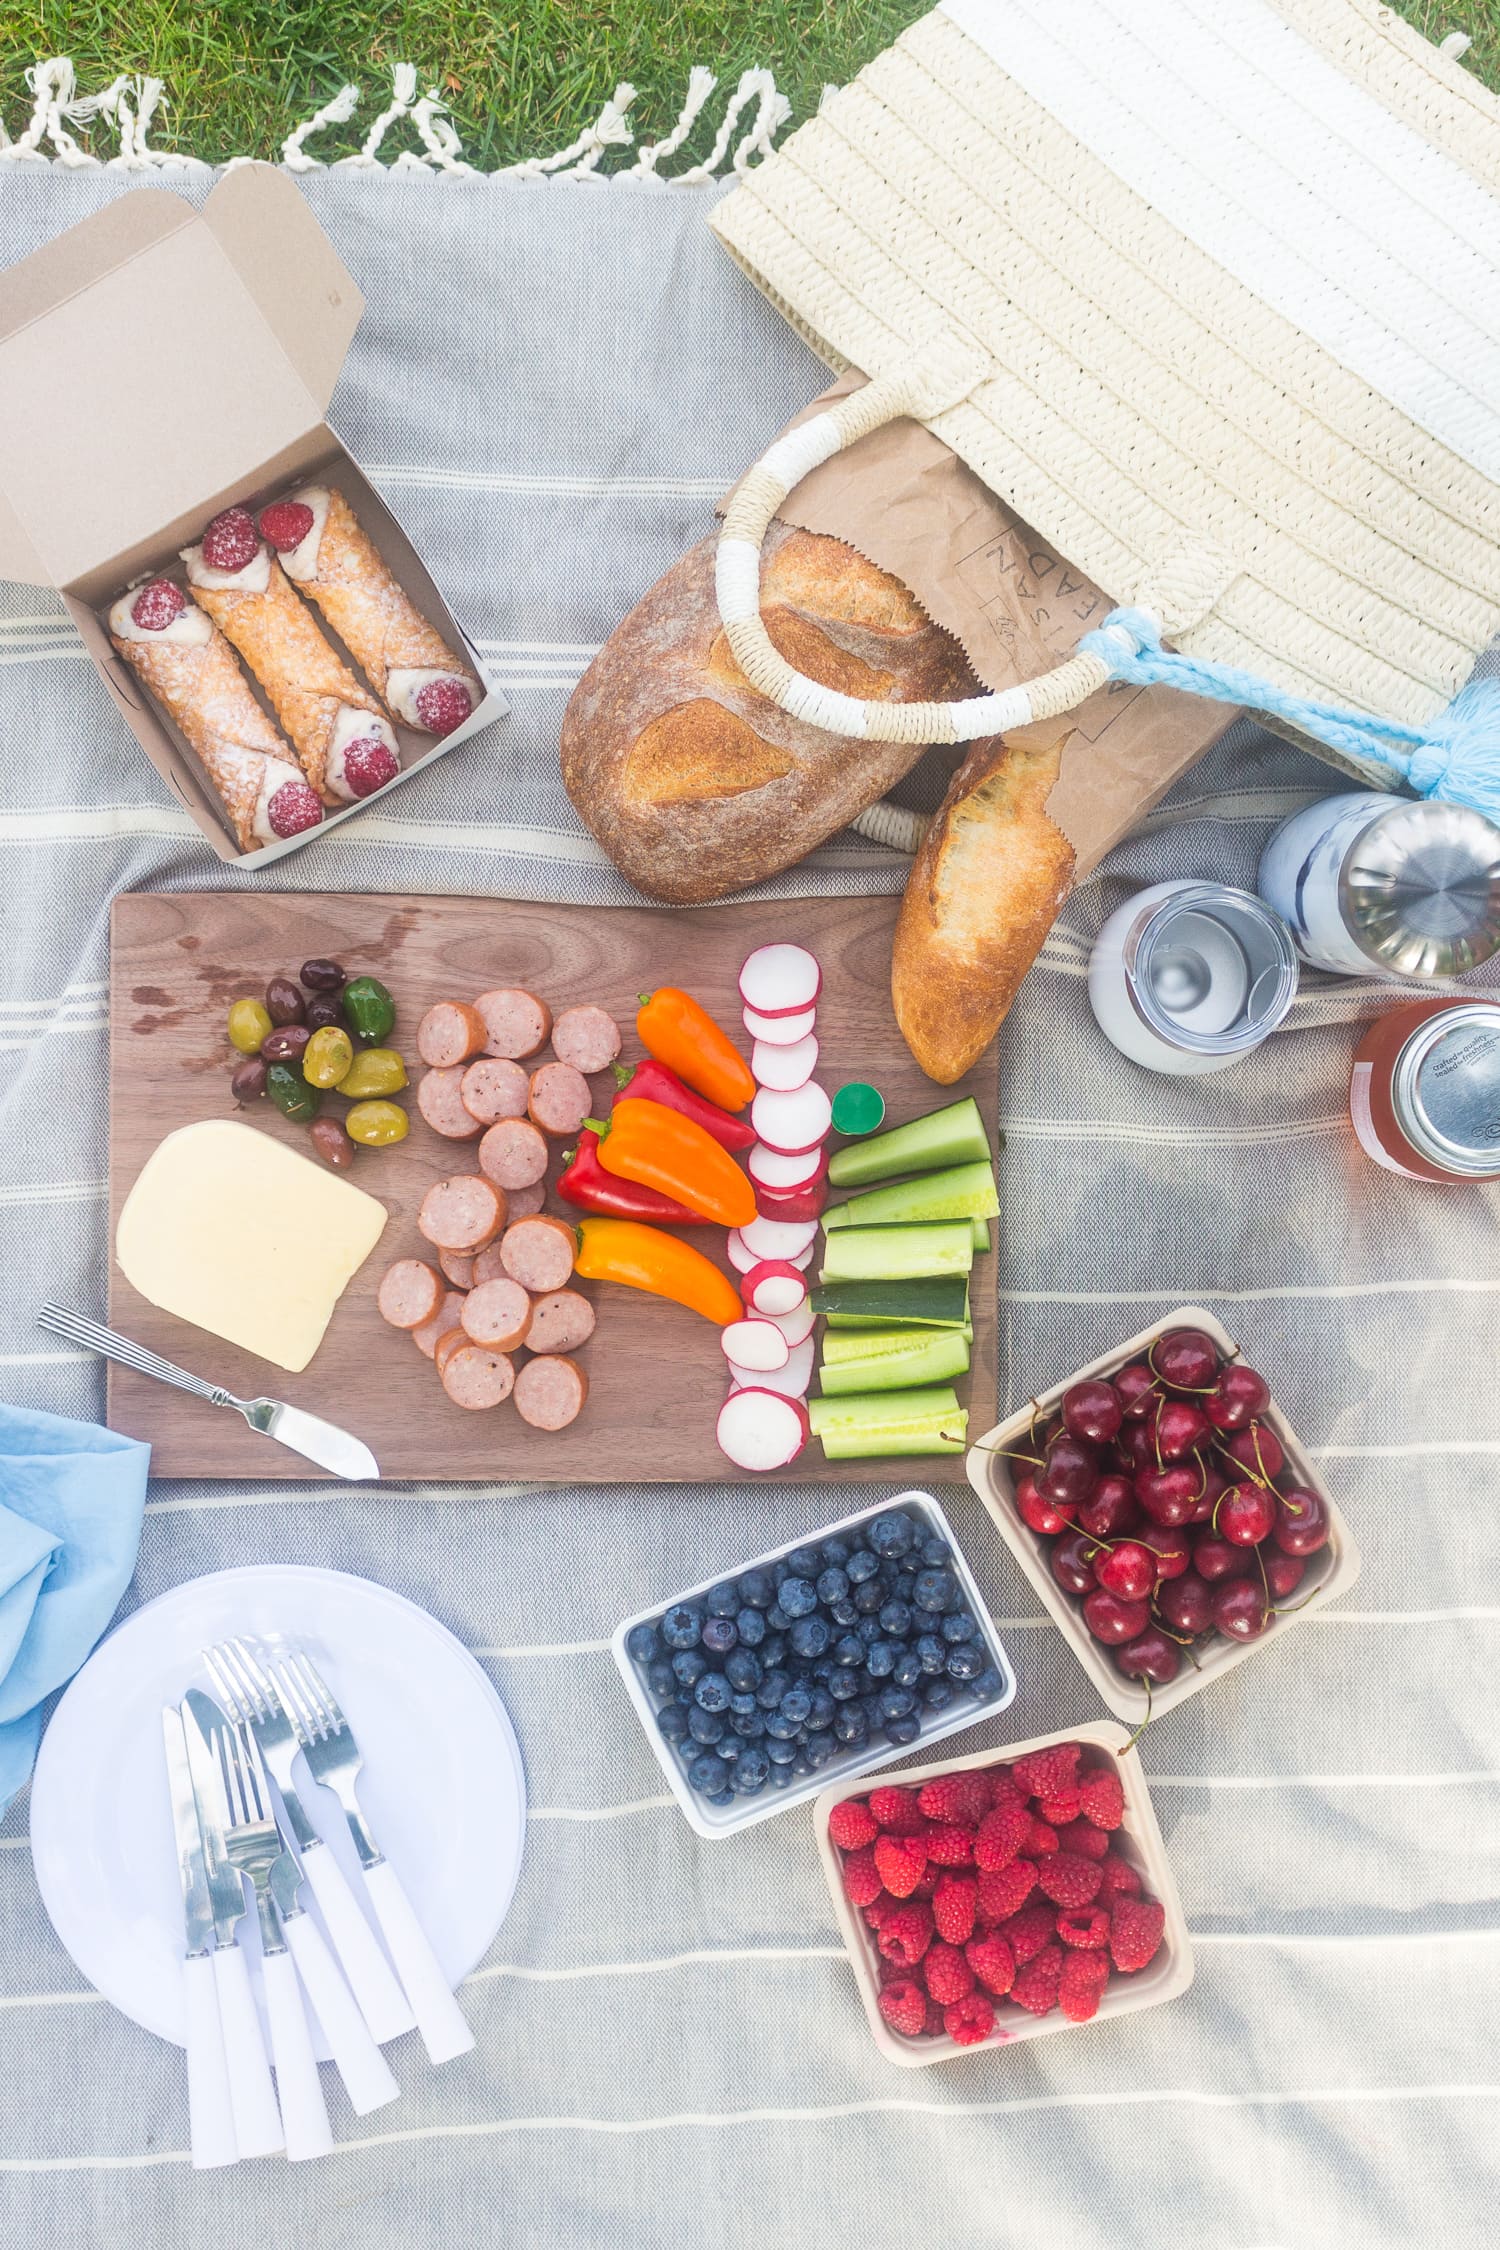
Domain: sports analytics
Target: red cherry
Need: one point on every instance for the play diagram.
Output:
(1172, 1552)
(1136, 1443)
(1257, 1450)
(1237, 1398)
(1185, 1359)
(293, 807)
(1301, 1525)
(1036, 1513)
(285, 524)
(230, 541)
(1069, 1472)
(1150, 1656)
(443, 705)
(1092, 1411)
(158, 605)
(369, 764)
(1136, 1387)
(1110, 1508)
(1179, 1427)
(1241, 1610)
(1245, 1514)
(1168, 1495)
(1128, 1570)
(1187, 1603)
(1072, 1562)
(1284, 1574)
(1211, 1485)
(1112, 1620)
(1214, 1558)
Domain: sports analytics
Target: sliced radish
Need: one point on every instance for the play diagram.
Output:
(759, 1429)
(758, 1346)
(784, 1069)
(779, 1238)
(780, 980)
(774, 1286)
(785, 1175)
(792, 1381)
(792, 1124)
(794, 1325)
(779, 1031)
(744, 1259)
(802, 1203)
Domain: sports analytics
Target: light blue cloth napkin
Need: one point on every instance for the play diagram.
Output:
(71, 1500)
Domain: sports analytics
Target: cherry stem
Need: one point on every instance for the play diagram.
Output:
(1140, 1730)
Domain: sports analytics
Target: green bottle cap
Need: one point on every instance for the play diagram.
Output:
(857, 1109)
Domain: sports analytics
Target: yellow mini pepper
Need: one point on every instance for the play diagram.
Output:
(659, 1148)
(642, 1257)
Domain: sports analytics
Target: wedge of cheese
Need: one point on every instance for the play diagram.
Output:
(228, 1229)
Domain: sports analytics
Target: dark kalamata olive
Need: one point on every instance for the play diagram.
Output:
(285, 1043)
(247, 1081)
(323, 976)
(284, 1003)
(332, 1143)
(322, 1011)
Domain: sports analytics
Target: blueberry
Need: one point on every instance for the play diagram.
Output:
(895, 1620)
(795, 1705)
(935, 1551)
(843, 1612)
(848, 1649)
(722, 1600)
(802, 1763)
(822, 1672)
(672, 1720)
(751, 1627)
(836, 1552)
(881, 1660)
(806, 1562)
(689, 1666)
(722, 1797)
(902, 1731)
(843, 1684)
(752, 1771)
(907, 1669)
(777, 1620)
(748, 1725)
(925, 1620)
(989, 1684)
(869, 1631)
(719, 1635)
(781, 1571)
(819, 1749)
(957, 1626)
(641, 1643)
(781, 1728)
(705, 1726)
(773, 1650)
(809, 1637)
(938, 1694)
(708, 1773)
(850, 1724)
(681, 1625)
(730, 1747)
(742, 1670)
(868, 1597)
(660, 1677)
(833, 1585)
(821, 1714)
(782, 1777)
(779, 1752)
(742, 1706)
(756, 1590)
(933, 1652)
(799, 1598)
(896, 1703)
(936, 1589)
(891, 1534)
(965, 1662)
(773, 1686)
(712, 1692)
(860, 1566)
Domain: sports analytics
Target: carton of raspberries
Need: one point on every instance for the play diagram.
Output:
(1002, 1898)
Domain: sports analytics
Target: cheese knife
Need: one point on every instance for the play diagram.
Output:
(323, 1443)
(210, 2114)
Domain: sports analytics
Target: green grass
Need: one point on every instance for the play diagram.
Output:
(522, 76)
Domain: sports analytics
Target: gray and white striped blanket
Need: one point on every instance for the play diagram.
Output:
(670, 2048)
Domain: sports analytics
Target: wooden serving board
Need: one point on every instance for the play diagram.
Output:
(656, 1373)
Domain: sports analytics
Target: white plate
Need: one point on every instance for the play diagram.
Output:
(442, 1788)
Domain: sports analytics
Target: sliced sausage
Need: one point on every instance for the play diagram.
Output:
(513, 1154)
(451, 1033)
(560, 1321)
(410, 1293)
(454, 1341)
(525, 1202)
(516, 1023)
(440, 1099)
(538, 1253)
(458, 1265)
(476, 1378)
(497, 1314)
(588, 1038)
(431, 1333)
(559, 1099)
(550, 1392)
(462, 1213)
(488, 1264)
(493, 1089)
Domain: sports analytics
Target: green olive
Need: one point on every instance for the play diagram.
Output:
(379, 1070)
(327, 1057)
(368, 1009)
(249, 1021)
(376, 1124)
(289, 1090)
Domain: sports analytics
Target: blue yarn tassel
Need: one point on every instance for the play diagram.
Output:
(1455, 756)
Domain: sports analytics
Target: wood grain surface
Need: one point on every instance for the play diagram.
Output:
(656, 1373)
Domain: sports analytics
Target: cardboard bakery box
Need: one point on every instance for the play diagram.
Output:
(158, 364)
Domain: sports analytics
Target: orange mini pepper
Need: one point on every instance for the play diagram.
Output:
(642, 1257)
(678, 1032)
(659, 1148)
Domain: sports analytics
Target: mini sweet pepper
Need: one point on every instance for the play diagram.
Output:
(678, 1032)
(642, 1257)
(586, 1184)
(651, 1081)
(660, 1148)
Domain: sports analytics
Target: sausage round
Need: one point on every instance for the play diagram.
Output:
(458, 1266)
(516, 1023)
(550, 1392)
(497, 1314)
(451, 1033)
(454, 1341)
(560, 1321)
(588, 1038)
(559, 1099)
(538, 1253)
(441, 1101)
(463, 1213)
(476, 1378)
(493, 1088)
(431, 1333)
(525, 1202)
(513, 1154)
(410, 1293)
(488, 1265)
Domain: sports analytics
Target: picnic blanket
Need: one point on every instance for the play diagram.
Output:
(552, 384)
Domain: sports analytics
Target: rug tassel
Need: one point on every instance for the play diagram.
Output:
(701, 84)
(403, 92)
(337, 112)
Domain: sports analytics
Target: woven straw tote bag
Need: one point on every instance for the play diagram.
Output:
(1208, 291)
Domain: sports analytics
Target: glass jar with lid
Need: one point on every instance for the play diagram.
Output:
(1187, 977)
(1374, 885)
(1425, 1090)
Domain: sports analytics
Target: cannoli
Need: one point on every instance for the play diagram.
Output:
(190, 669)
(324, 551)
(344, 740)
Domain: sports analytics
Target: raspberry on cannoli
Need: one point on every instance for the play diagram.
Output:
(337, 728)
(191, 671)
(324, 551)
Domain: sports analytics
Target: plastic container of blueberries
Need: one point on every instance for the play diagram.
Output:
(716, 1821)
(1138, 1839)
(1330, 1572)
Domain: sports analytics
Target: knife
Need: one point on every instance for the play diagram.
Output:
(252, 2097)
(210, 2114)
(323, 1443)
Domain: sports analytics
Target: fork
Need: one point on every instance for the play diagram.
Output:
(334, 1759)
(245, 1688)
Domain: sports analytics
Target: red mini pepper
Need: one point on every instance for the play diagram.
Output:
(651, 1081)
(586, 1183)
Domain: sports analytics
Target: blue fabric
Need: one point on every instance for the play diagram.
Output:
(72, 1498)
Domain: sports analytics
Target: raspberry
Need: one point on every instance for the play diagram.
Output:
(1117, 1878)
(1048, 1773)
(1060, 1809)
(1003, 1791)
(934, 2019)
(947, 1973)
(957, 1799)
(230, 540)
(927, 1881)
(850, 1825)
(1103, 1797)
(1068, 1880)
(443, 705)
(1035, 1988)
(1002, 1890)
(1083, 1837)
(286, 523)
(906, 1932)
(877, 1910)
(1001, 1835)
(901, 1860)
(1041, 1837)
(1081, 1985)
(896, 1811)
(369, 764)
(293, 807)
(157, 605)
(904, 2007)
(1028, 1932)
(950, 1847)
(993, 1962)
(1135, 1929)
(955, 1903)
(862, 1884)
(969, 2021)
(1086, 1928)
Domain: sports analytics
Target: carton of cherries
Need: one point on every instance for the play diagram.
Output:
(1165, 1512)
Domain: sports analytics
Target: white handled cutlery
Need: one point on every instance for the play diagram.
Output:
(210, 2115)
